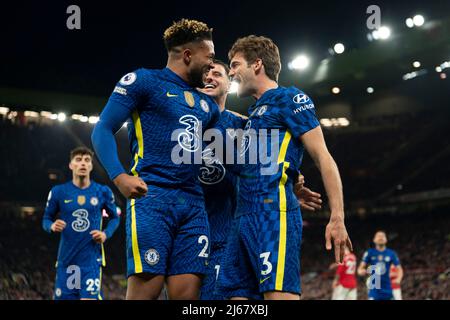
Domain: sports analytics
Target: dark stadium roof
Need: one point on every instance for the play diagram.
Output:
(41, 57)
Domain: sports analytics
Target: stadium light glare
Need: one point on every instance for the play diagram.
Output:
(53, 116)
(416, 64)
(339, 48)
(370, 90)
(4, 110)
(61, 117)
(409, 23)
(93, 119)
(31, 114)
(418, 20)
(301, 62)
(335, 90)
(233, 87)
(384, 33)
(438, 69)
(443, 76)
(84, 119)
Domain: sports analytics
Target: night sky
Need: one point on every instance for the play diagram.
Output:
(37, 51)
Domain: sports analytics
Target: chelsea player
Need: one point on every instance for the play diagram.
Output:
(167, 227)
(80, 203)
(262, 258)
(376, 263)
(219, 180)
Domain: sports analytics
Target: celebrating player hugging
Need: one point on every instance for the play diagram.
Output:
(214, 228)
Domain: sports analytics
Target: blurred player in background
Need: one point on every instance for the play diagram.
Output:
(376, 263)
(262, 257)
(395, 283)
(219, 181)
(80, 204)
(345, 283)
(167, 225)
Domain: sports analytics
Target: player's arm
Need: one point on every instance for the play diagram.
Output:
(335, 233)
(396, 262)
(362, 268)
(400, 274)
(114, 218)
(118, 109)
(300, 119)
(49, 221)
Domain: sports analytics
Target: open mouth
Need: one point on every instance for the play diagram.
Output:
(210, 86)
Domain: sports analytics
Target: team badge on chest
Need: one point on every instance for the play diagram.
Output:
(204, 105)
(94, 201)
(81, 200)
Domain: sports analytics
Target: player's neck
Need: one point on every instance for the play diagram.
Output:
(264, 84)
(178, 69)
(81, 182)
(221, 100)
(381, 248)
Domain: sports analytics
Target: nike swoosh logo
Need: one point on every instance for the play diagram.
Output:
(261, 281)
(67, 201)
(171, 95)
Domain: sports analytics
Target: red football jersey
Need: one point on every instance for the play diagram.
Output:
(393, 274)
(347, 271)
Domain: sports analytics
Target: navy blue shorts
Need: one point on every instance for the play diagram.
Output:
(78, 282)
(208, 289)
(166, 239)
(262, 255)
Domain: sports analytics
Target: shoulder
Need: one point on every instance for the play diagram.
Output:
(101, 187)
(138, 76)
(293, 99)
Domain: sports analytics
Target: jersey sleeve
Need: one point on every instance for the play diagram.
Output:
(395, 259)
(365, 257)
(131, 90)
(112, 211)
(51, 209)
(297, 112)
(128, 94)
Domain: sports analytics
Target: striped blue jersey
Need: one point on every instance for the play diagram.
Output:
(219, 182)
(168, 118)
(82, 211)
(272, 151)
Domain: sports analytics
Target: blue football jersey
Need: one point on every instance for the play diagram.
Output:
(271, 150)
(81, 210)
(165, 132)
(219, 182)
(380, 263)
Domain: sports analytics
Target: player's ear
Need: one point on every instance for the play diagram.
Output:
(187, 56)
(70, 165)
(257, 65)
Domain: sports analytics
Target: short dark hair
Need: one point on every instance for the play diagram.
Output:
(254, 47)
(185, 31)
(223, 64)
(81, 151)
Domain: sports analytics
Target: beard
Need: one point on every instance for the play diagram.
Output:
(196, 75)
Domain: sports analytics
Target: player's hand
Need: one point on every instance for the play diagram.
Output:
(300, 182)
(58, 225)
(98, 236)
(309, 200)
(131, 187)
(396, 280)
(336, 236)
